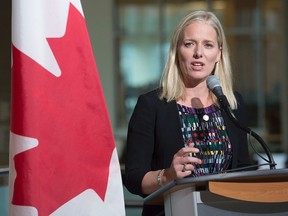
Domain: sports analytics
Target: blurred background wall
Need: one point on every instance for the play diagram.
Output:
(130, 39)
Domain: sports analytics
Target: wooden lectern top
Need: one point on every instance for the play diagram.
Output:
(254, 186)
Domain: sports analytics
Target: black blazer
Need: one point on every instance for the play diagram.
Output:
(154, 136)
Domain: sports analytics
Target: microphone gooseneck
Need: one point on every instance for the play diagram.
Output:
(214, 85)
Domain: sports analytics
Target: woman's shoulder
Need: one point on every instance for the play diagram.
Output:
(153, 97)
(151, 93)
(239, 98)
(241, 111)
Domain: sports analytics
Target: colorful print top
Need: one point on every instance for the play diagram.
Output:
(205, 127)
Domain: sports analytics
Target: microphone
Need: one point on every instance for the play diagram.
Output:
(214, 85)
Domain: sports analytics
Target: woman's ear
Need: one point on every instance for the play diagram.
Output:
(219, 55)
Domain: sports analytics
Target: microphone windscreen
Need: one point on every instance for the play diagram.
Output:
(213, 82)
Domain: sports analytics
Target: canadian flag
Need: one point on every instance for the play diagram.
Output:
(63, 159)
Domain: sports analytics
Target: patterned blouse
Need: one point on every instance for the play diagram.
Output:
(205, 127)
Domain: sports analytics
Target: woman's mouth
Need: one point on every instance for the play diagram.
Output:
(197, 66)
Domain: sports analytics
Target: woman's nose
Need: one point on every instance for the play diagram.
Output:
(197, 53)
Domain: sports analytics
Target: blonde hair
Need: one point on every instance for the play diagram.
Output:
(172, 84)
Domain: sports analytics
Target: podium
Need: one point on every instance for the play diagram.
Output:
(261, 192)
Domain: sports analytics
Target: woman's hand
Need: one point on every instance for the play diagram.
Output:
(183, 163)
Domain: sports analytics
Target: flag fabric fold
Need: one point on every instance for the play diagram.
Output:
(63, 159)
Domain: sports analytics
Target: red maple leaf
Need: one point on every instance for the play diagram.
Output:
(68, 116)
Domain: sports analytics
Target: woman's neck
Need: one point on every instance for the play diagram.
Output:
(196, 98)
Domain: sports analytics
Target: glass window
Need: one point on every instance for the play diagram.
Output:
(139, 51)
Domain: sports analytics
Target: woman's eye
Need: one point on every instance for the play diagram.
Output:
(209, 45)
(188, 44)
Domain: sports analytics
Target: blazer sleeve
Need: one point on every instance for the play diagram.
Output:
(140, 143)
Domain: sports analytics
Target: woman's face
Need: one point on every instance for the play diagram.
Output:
(198, 52)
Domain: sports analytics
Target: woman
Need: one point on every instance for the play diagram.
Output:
(179, 130)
